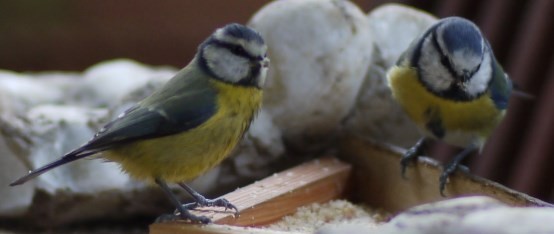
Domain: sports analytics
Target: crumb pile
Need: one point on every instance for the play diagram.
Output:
(311, 217)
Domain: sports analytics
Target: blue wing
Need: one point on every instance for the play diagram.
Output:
(501, 85)
(175, 108)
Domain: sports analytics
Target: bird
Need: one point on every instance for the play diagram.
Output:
(451, 86)
(190, 124)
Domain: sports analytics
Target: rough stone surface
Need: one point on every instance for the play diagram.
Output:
(320, 51)
(376, 114)
(477, 214)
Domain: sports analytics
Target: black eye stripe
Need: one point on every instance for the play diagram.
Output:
(238, 50)
(444, 61)
(235, 49)
(444, 58)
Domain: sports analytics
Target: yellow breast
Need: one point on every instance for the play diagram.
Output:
(186, 155)
(477, 117)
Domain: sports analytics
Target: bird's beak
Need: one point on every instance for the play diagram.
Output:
(466, 76)
(265, 62)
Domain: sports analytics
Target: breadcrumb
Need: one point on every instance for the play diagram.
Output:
(311, 217)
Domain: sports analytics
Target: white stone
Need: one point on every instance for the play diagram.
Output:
(440, 217)
(509, 220)
(376, 114)
(320, 51)
(14, 201)
(261, 146)
(20, 91)
(45, 115)
(475, 214)
(112, 80)
(395, 26)
(57, 130)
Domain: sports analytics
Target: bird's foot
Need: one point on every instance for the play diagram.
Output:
(443, 179)
(448, 170)
(411, 155)
(181, 212)
(408, 157)
(201, 201)
(452, 166)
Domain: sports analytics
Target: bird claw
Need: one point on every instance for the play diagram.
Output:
(412, 154)
(409, 156)
(448, 170)
(463, 168)
(203, 202)
(443, 179)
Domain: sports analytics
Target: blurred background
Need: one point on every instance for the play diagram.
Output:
(75, 34)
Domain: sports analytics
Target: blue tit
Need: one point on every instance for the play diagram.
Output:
(450, 84)
(191, 123)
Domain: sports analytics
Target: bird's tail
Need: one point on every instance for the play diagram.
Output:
(70, 157)
(518, 92)
(522, 94)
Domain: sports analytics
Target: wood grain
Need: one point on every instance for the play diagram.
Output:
(178, 228)
(268, 200)
(377, 181)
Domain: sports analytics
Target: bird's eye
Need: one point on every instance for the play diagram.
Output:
(238, 50)
(444, 61)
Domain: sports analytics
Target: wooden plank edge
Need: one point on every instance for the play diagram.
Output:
(268, 200)
(211, 229)
(379, 184)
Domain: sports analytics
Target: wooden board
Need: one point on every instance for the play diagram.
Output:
(180, 228)
(378, 183)
(375, 181)
(270, 199)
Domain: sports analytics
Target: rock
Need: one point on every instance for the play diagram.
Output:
(376, 114)
(440, 217)
(19, 91)
(14, 201)
(261, 146)
(476, 214)
(509, 220)
(320, 51)
(56, 130)
(111, 81)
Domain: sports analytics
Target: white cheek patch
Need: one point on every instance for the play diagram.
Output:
(226, 65)
(481, 78)
(433, 73)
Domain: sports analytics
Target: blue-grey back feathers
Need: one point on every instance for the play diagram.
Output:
(501, 86)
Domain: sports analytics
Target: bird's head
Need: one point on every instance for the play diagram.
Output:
(235, 54)
(455, 59)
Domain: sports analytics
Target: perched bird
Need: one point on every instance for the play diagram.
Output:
(450, 84)
(191, 123)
